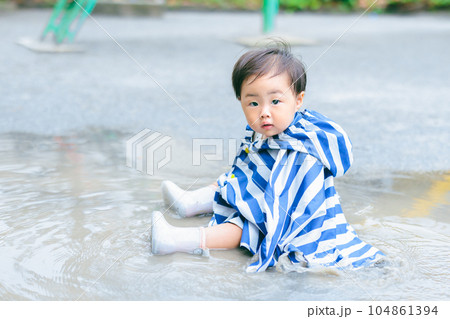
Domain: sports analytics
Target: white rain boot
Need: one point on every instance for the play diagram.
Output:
(188, 203)
(167, 239)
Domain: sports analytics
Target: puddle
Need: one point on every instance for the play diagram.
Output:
(74, 224)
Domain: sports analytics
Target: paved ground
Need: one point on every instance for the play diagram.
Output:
(386, 80)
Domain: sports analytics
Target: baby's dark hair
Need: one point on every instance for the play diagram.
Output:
(260, 62)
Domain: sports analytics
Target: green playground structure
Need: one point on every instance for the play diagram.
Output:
(67, 18)
(270, 10)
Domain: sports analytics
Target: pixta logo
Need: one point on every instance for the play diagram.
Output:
(144, 148)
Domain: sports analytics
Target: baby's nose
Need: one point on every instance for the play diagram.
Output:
(265, 112)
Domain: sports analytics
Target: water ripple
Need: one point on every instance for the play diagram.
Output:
(74, 223)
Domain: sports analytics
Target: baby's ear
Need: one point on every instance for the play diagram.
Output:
(299, 100)
(239, 98)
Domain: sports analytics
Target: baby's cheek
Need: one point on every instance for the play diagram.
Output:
(284, 124)
(250, 119)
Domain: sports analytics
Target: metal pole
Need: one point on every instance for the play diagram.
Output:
(270, 10)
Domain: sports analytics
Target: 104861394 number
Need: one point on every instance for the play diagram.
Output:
(403, 310)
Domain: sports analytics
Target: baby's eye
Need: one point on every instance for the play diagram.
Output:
(253, 104)
(275, 102)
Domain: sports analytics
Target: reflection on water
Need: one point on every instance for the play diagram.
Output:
(74, 224)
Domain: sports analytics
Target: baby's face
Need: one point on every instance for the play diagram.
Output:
(268, 111)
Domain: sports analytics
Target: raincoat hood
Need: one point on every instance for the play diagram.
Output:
(312, 133)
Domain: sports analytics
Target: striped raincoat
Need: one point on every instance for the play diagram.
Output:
(280, 191)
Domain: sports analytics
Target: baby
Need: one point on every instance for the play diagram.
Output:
(278, 199)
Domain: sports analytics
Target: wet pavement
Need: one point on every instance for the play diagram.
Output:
(385, 80)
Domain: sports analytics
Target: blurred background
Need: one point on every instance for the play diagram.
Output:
(287, 5)
(75, 219)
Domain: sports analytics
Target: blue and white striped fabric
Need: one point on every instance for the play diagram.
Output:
(280, 191)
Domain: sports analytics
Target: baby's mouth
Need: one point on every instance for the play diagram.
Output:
(267, 126)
